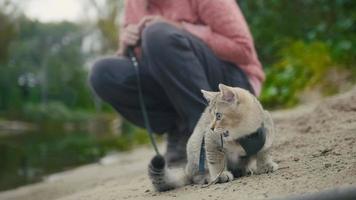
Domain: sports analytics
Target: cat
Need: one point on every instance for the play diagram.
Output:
(237, 134)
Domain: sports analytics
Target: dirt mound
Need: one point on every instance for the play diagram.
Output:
(314, 146)
(329, 115)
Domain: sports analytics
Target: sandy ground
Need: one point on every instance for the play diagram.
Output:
(315, 148)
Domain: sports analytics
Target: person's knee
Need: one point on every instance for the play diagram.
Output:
(108, 75)
(159, 37)
(98, 73)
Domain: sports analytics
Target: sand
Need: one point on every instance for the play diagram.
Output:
(315, 147)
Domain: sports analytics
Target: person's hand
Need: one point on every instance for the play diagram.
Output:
(131, 34)
(129, 37)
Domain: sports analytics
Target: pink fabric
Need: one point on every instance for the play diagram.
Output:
(219, 23)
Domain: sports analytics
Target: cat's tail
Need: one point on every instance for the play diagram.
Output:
(164, 179)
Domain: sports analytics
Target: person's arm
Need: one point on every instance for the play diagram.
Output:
(226, 31)
(122, 48)
(130, 29)
(122, 25)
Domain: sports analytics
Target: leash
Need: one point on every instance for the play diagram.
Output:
(131, 54)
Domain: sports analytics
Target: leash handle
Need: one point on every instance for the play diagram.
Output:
(131, 54)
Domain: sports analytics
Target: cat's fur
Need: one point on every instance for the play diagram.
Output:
(240, 115)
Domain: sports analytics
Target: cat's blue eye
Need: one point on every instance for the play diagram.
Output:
(218, 116)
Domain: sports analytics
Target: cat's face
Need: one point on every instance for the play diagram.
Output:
(226, 111)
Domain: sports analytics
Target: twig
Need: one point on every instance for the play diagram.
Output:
(286, 167)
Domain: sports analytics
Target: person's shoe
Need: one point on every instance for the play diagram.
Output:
(176, 149)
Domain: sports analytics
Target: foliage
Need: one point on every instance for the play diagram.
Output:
(300, 65)
(7, 33)
(106, 23)
(45, 64)
(127, 140)
(289, 35)
(53, 111)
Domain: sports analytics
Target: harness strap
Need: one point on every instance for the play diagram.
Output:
(131, 54)
(202, 157)
(253, 142)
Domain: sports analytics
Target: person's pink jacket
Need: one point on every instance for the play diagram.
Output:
(219, 23)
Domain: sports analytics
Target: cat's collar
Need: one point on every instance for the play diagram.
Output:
(254, 142)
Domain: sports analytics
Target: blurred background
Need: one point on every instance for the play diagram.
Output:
(51, 121)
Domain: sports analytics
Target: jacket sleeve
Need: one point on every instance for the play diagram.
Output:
(127, 17)
(224, 30)
(134, 11)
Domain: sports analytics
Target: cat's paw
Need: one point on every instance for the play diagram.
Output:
(200, 179)
(250, 171)
(267, 167)
(225, 177)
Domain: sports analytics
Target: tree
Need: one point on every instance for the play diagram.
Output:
(106, 20)
(51, 55)
(7, 28)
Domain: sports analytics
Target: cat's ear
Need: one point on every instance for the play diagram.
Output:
(228, 94)
(209, 95)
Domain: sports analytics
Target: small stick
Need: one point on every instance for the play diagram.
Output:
(286, 167)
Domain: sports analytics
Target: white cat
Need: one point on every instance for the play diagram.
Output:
(236, 134)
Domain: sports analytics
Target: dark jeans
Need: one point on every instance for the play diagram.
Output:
(174, 67)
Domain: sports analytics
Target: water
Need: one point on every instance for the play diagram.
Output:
(26, 158)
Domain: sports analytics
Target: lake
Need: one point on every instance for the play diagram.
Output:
(27, 157)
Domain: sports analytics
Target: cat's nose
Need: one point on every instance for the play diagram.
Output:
(212, 126)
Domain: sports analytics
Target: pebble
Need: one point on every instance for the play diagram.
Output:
(325, 151)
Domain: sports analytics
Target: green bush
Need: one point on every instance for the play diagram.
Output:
(299, 41)
(300, 65)
(53, 111)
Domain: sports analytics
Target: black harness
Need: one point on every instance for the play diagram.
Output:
(251, 143)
